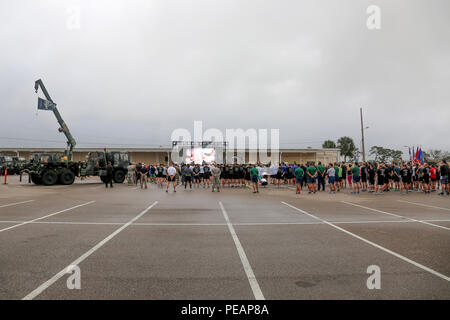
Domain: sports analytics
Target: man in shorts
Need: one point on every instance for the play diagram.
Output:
(196, 175)
(331, 174)
(188, 176)
(207, 175)
(321, 176)
(444, 173)
(356, 179)
(171, 174)
(311, 176)
(254, 177)
(299, 175)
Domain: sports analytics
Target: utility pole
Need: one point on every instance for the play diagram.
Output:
(362, 136)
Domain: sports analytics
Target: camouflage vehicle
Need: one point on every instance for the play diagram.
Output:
(5, 163)
(49, 169)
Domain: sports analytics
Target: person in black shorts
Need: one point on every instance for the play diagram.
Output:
(380, 179)
(196, 175)
(364, 176)
(344, 175)
(405, 176)
(426, 178)
(280, 174)
(371, 173)
(206, 175)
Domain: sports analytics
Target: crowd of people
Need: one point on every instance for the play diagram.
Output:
(358, 177)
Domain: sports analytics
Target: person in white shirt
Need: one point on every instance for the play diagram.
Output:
(171, 174)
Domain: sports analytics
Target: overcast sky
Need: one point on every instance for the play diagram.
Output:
(136, 70)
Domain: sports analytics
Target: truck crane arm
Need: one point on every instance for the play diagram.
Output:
(63, 127)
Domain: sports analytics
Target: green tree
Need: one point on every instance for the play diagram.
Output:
(384, 154)
(329, 144)
(347, 147)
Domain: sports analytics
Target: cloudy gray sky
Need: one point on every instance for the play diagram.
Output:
(136, 70)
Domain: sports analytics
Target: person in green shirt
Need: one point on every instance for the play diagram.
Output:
(338, 174)
(321, 176)
(356, 178)
(311, 176)
(254, 177)
(299, 174)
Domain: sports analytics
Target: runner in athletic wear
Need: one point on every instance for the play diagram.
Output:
(171, 174)
(321, 176)
(254, 176)
(426, 178)
(343, 176)
(331, 174)
(299, 175)
(311, 176)
(380, 179)
(444, 173)
(202, 174)
(188, 176)
(405, 175)
(280, 174)
(433, 176)
(206, 175)
(338, 176)
(371, 173)
(396, 177)
(273, 173)
(356, 178)
(364, 170)
(196, 175)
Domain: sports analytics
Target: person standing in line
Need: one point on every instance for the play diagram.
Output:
(299, 175)
(138, 173)
(311, 176)
(371, 173)
(109, 175)
(349, 177)
(188, 176)
(321, 176)
(364, 171)
(206, 175)
(356, 179)
(216, 172)
(144, 172)
(196, 175)
(343, 175)
(254, 176)
(171, 177)
(331, 173)
(444, 173)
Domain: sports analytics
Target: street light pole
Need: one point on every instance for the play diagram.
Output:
(362, 136)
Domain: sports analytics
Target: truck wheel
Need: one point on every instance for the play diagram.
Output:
(66, 177)
(49, 178)
(119, 176)
(104, 179)
(36, 179)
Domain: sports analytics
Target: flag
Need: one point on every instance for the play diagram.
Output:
(416, 157)
(421, 157)
(45, 104)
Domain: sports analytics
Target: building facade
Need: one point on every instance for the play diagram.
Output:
(163, 154)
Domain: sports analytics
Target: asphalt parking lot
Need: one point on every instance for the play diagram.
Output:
(146, 244)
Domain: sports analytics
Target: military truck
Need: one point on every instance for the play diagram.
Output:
(5, 163)
(49, 169)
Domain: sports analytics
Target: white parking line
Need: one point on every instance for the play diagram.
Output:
(49, 215)
(440, 275)
(162, 224)
(245, 263)
(57, 276)
(15, 203)
(424, 205)
(396, 215)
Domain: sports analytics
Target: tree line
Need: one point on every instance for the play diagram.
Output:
(379, 153)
